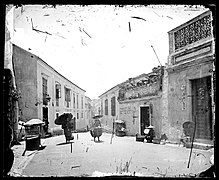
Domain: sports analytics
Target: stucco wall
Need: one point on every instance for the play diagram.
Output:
(107, 120)
(29, 70)
(179, 98)
(130, 113)
(53, 77)
(25, 68)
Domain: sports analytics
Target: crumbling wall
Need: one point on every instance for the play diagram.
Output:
(130, 113)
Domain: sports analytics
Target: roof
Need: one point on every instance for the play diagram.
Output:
(48, 65)
(109, 90)
(134, 78)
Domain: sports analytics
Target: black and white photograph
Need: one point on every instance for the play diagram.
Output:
(109, 90)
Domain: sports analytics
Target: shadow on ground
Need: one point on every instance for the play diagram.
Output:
(64, 143)
(99, 141)
(41, 148)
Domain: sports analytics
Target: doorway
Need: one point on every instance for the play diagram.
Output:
(201, 108)
(144, 118)
(45, 119)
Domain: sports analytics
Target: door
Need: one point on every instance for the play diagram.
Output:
(144, 118)
(201, 107)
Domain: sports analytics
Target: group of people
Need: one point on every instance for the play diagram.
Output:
(95, 129)
(67, 121)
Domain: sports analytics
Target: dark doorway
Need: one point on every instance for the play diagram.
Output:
(74, 124)
(45, 119)
(201, 107)
(144, 118)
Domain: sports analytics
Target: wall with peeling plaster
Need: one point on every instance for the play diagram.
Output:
(179, 100)
(130, 113)
(189, 62)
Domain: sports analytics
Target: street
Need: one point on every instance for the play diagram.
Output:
(123, 156)
(144, 72)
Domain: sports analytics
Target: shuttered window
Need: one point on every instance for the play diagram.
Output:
(58, 93)
(44, 85)
(82, 102)
(74, 100)
(67, 97)
(77, 102)
(106, 107)
(113, 106)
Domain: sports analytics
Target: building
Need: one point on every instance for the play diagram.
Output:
(88, 111)
(190, 87)
(45, 93)
(110, 106)
(137, 102)
(95, 107)
(140, 102)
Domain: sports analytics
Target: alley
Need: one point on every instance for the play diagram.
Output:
(123, 156)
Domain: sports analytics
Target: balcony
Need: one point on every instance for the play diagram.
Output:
(191, 39)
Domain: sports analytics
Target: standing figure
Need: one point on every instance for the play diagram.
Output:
(68, 126)
(67, 121)
(96, 130)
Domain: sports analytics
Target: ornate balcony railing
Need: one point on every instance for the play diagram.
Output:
(193, 32)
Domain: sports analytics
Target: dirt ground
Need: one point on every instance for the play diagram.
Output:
(125, 156)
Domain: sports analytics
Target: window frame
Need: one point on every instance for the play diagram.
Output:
(113, 106)
(68, 97)
(106, 107)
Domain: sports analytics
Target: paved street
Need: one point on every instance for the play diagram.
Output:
(124, 155)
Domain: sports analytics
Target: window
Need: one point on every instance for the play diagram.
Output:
(113, 106)
(106, 107)
(44, 85)
(77, 101)
(57, 115)
(82, 102)
(101, 107)
(67, 97)
(74, 100)
(58, 93)
(77, 115)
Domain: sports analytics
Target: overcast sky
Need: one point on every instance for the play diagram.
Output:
(99, 46)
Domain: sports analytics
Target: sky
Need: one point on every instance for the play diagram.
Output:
(99, 46)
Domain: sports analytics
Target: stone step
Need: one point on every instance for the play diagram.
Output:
(197, 145)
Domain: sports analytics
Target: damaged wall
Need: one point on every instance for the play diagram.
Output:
(141, 91)
(180, 100)
(130, 113)
(190, 60)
